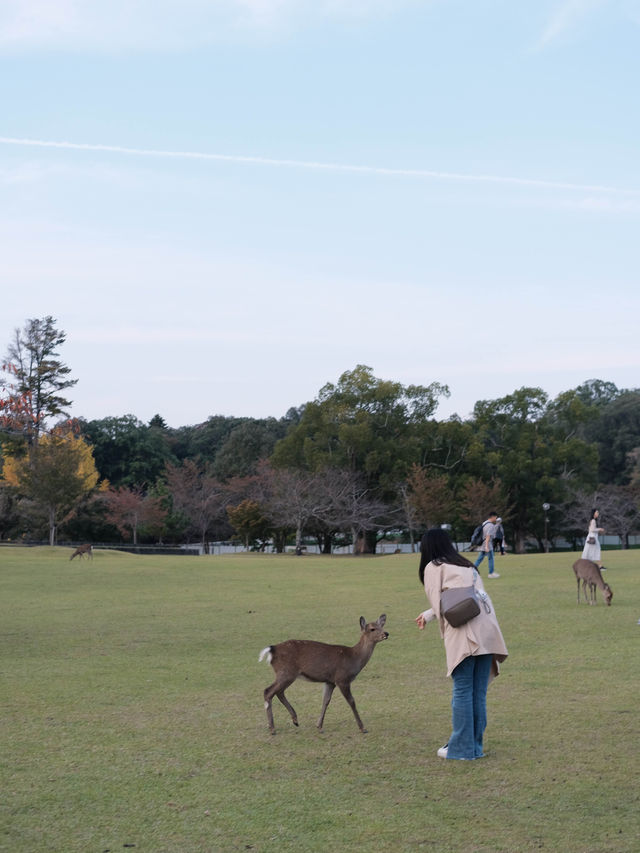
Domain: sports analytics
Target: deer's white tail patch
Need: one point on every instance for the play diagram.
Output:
(266, 653)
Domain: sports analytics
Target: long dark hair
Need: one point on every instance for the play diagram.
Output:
(594, 511)
(436, 547)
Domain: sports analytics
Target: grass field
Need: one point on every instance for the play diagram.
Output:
(132, 713)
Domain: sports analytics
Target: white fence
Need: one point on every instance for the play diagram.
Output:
(221, 548)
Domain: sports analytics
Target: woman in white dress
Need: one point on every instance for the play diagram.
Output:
(591, 550)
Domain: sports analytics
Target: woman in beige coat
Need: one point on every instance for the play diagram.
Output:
(473, 650)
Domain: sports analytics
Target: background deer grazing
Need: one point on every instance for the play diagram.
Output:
(320, 662)
(587, 572)
(81, 550)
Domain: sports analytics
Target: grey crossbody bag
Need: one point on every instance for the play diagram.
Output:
(462, 603)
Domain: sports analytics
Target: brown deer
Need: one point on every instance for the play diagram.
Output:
(322, 663)
(587, 572)
(81, 550)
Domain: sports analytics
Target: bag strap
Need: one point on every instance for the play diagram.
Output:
(483, 596)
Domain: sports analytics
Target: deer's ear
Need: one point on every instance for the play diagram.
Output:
(382, 620)
(363, 624)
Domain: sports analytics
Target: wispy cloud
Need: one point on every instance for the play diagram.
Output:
(533, 183)
(605, 205)
(567, 16)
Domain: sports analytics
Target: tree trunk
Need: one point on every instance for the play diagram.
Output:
(412, 540)
(358, 543)
(371, 541)
(325, 541)
(365, 542)
(52, 526)
(519, 543)
(280, 541)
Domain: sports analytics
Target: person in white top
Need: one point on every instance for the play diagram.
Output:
(498, 537)
(591, 550)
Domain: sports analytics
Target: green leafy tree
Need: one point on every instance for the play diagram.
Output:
(616, 434)
(128, 452)
(597, 392)
(202, 442)
(246, 444)
(9, 516)
(536, 460)
(606, 417)
(362, 425)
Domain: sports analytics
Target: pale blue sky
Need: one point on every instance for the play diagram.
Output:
(445, 191)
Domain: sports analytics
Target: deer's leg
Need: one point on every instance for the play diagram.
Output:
(288, 706)
(346, 692)
(277, 689)
(326, 698)
(578, 579)
(268, 697)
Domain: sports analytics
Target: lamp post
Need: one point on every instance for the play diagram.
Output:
(546, 507)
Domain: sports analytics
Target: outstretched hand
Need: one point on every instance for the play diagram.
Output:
(423, 618)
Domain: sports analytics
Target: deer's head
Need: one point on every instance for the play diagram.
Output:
(373, 630)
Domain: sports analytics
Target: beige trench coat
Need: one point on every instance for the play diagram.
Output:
(481, 635)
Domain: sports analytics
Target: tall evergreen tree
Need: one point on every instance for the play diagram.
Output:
(37, 376)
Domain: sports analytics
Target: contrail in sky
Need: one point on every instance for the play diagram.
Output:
(328, 167)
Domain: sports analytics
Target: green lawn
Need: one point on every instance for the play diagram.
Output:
(132, 711)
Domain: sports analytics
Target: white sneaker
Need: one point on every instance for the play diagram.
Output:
(493, 575)
(442, 752)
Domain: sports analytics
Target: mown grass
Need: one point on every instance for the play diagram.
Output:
(133, 715)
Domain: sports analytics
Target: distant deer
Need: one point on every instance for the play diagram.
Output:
(587, 572)
(81, 550)
(323, 663)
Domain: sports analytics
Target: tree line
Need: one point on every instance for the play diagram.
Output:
(366, 459)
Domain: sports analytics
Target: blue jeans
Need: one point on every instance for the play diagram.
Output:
(484, 554)
(469, 707)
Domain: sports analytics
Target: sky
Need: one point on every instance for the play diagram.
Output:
(226, 204)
